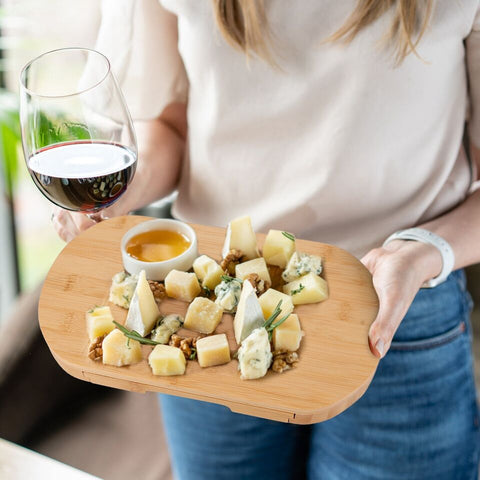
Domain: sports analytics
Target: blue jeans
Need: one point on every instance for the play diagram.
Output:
(417, 420)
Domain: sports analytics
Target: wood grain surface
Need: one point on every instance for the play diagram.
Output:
(335, 366)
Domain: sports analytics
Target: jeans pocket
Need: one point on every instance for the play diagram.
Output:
(431, 342)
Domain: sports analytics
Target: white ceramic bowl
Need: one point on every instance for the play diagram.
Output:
(159, 270)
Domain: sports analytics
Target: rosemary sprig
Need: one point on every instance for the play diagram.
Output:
(297, 290)
(275, 325)
(228, 279)
(289, 235)
(135, 335)
(276, 312)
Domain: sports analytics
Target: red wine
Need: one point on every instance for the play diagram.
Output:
(83, 176)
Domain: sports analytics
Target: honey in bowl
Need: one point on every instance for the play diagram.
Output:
(157, 245)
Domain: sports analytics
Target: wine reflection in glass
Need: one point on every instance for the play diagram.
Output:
(77, 134)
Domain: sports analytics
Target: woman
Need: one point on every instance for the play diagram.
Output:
(343, 123)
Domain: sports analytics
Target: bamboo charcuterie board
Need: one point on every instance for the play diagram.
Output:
(335, 368)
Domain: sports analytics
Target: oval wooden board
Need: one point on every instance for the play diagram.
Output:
(335, 366)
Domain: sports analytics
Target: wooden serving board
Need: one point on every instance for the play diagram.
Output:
(335, 368)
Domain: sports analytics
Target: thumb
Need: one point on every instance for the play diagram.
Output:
(382, 330)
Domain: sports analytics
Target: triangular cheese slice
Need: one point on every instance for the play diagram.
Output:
(240, 236)
(249, 314)
(143, 310)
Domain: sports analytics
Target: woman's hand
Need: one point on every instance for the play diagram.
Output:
(69, 224)
(399, 269)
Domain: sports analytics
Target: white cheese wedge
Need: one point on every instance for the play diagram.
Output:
(254, 355)
(240, 236)
(249, 314)
(143, 309)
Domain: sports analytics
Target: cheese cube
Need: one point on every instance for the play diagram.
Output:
(257, 265)
(203, 315)
(208, 271)
(287, 335)
(213, 350)
(254, 355)
(99, 322)
(143, 311)
(278, 248)
(166, 360)
(118, 350)
(307, 289)
(122, 289)
(269, 300)
(182, 285)
(240, 236)
(249, 314)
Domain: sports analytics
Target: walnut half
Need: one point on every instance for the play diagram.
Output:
(260, 285)
(95, 351)
(158, 290)
(284, 360)
(186, 344)
(233, 257)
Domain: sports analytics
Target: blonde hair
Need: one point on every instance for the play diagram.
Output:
(243, 24)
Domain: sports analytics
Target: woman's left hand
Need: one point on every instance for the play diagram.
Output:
(399, 269)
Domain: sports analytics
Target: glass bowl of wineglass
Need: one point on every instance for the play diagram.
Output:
(77, 134)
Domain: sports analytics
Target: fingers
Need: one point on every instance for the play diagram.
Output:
(394, 303)
(69, 224)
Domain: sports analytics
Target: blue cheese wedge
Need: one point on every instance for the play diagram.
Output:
(228, 294)
(143, 311)
(300, 264)
(122, 288)
(249, 314)
(240, 236)
(254, 355)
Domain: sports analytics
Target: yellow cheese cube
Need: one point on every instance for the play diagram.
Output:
(257, 265)
(287, 336)
(118, 350)
(208, 271)
(307, 289)
(167, 360)
(213, 350)
(99, 322)
(203, 315)
(278, 248)
(269, 300)
(182, 285)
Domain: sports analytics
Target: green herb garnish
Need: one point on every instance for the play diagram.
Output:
(207, 292)
(269, 325)
(228, 279)
(276, 312)
(297, 290)
(135, 335)
(193, 355)
(289, 235)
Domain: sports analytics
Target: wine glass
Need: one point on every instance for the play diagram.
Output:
(77, 134)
